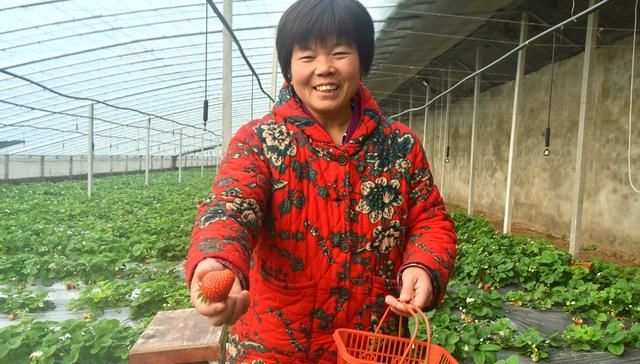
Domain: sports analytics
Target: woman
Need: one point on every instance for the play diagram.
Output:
(324, 210)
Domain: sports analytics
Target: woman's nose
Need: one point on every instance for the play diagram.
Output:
(324, 67)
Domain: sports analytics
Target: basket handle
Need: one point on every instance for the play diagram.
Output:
(416, 313)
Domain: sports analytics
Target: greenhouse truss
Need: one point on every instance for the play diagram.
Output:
(138, 63)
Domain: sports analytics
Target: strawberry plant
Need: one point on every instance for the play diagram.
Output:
(513, 359)
(614, 337)
(159, 295)
(105, 294)
(18, 301)
(476, 304)
(72, 341)
(532, 344)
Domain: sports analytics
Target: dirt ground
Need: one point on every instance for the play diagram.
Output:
(588, 252)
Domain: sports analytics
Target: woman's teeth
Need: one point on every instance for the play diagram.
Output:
(326, 87)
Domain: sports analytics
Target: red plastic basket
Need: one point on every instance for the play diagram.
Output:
(363, 347)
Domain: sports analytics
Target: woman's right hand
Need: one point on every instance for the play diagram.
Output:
(218, 313)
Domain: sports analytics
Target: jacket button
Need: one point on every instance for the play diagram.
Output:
(342, 159)
(345, 247)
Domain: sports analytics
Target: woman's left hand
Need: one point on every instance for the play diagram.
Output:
(416, 289)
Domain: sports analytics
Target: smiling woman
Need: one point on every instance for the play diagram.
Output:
(345, 218)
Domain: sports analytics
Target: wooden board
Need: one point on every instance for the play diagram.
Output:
(177, 337)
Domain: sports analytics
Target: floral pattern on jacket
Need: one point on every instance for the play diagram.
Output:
(319, 233)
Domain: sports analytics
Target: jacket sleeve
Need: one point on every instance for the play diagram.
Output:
(228, 222)
(431, 238)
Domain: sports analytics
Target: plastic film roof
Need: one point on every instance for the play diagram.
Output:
(135, 61)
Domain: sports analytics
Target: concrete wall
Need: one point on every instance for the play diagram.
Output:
(25, 167)
(543, 186)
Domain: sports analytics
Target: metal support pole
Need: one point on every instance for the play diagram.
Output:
(440, 124)
(218, 158)
(202, 157)
(411, 107)
(445, 137)
(226, 76)
(6, 167)
(180, 156)
(434, 132)
(147, 162)
(251, 98)
(71, 165)
(90, 148)
(515, 118)
(426, 114)
(474, 118)
(274, 71)
(578, 186)
(42, 167)
(126, 163)
(437, 131)
(111, 164)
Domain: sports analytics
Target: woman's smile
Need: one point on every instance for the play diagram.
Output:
(326, 88)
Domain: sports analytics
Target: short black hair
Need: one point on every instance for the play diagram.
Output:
(309, 21)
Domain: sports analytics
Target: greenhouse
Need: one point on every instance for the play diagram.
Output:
(486, 150)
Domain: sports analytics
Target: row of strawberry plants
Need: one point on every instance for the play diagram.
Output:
(123, 249)
(604, 300)
(51, 232)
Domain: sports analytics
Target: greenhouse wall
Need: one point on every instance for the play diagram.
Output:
(543, 187)
(27, 167)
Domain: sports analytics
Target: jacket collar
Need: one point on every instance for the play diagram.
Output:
(289, 109)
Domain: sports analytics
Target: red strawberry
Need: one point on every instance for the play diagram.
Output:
(215, 285)
(486, 287)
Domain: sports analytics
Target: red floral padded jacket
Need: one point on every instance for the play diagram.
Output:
(319, 233)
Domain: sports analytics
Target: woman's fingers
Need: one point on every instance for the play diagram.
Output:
(233, 308)
(416, 290)
(398, 307)
(416, 287)
(240, 306)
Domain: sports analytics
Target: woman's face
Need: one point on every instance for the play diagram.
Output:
(326, 78)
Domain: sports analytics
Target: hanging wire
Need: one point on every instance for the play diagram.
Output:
(633, 62)
(33, 4)
(76, 116)
(9, 73)
(58, 130)
(237, 42)
(508, 54)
